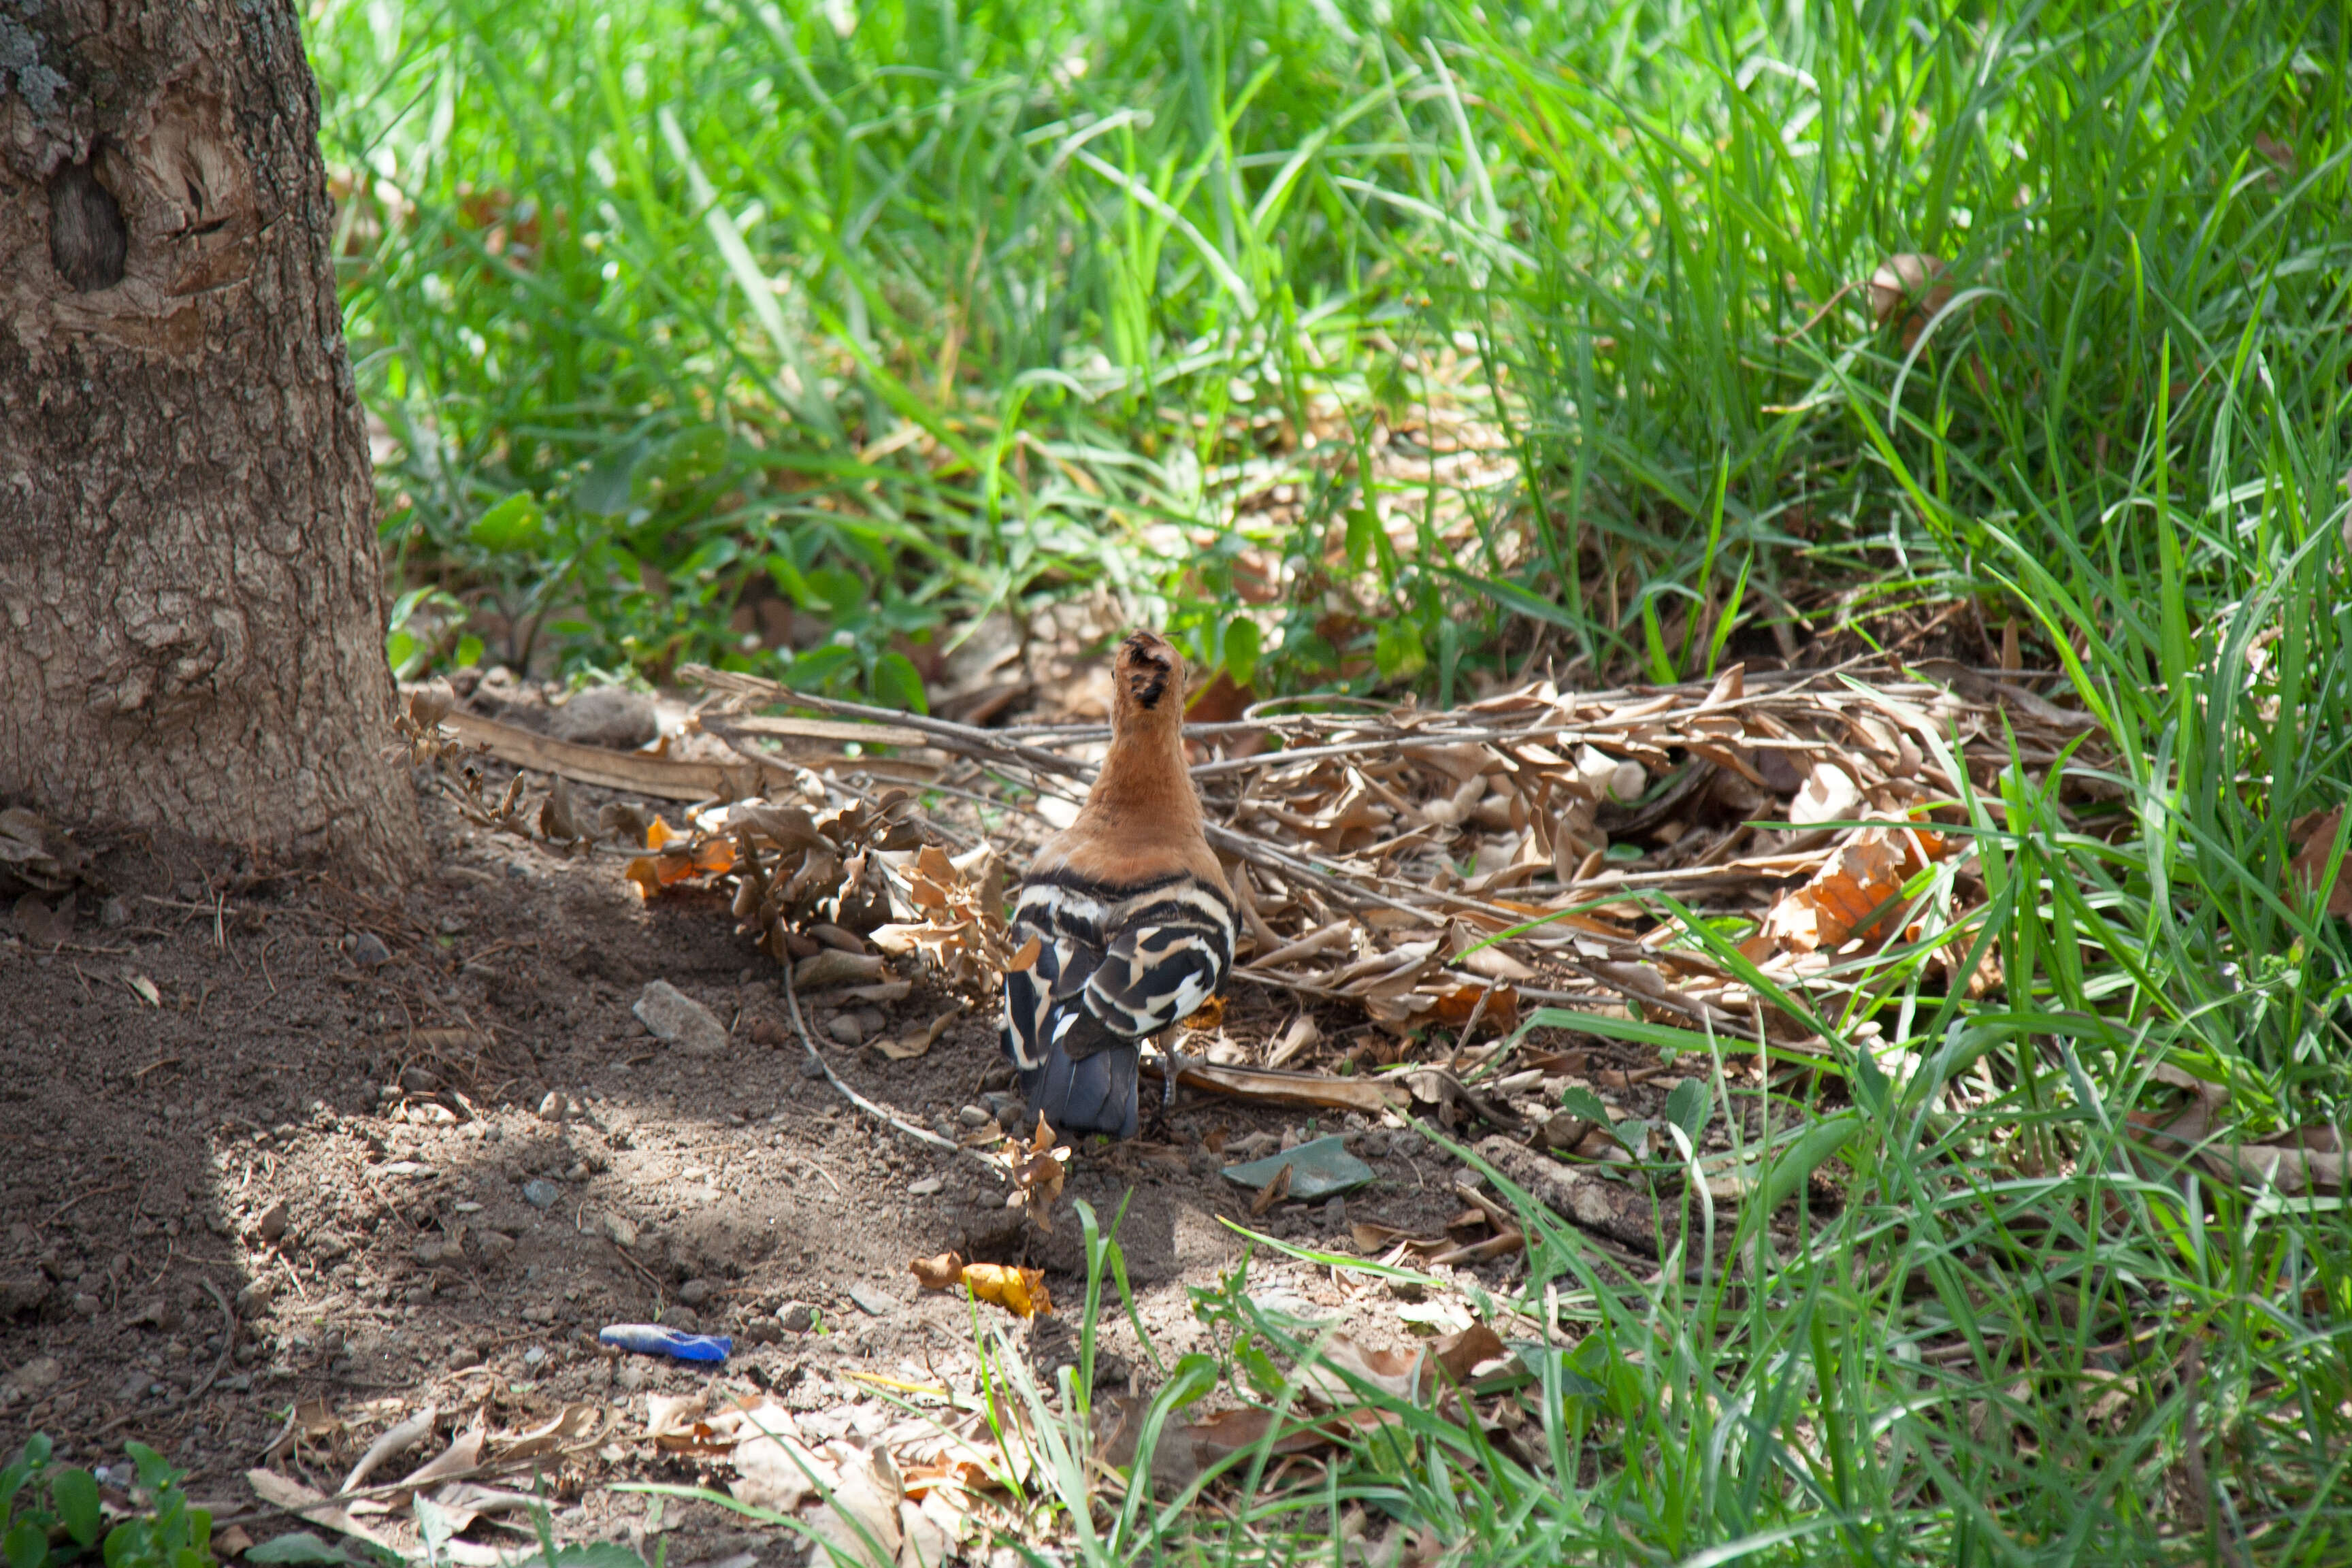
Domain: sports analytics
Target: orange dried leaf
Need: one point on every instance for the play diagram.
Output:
(715, 856)
(1456, 1007)
(643, 871)
(966, 1475)
(1025, 957)
(1210, 1016)
(937, 1273)
(1020, 1291)
(1858, 879)
(659, 832)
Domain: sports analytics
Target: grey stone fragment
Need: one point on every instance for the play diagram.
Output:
(1320, 1168)
(669, 1013)
(612, 717)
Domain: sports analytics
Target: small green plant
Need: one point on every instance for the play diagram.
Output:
(54, 1516)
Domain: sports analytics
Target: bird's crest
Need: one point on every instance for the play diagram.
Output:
(1149, 668)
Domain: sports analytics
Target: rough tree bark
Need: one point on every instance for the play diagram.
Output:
(190, 603)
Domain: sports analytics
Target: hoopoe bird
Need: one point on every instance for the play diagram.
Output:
(1133, 919)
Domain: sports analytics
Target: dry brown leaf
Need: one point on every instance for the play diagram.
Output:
(1860, 877)
(1266, 1086)
(1039, 1169)
(905, 1048)
(2314, 838)
(1277, 1188)
(938, 1273)
(1210, 1014)
(1456, 1004)
(1914, 287)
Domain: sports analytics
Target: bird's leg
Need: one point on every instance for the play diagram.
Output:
(1173, 1063)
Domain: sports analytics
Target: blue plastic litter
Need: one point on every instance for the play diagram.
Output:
(652, 1338)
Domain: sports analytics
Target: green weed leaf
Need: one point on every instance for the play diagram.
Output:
(1579, 1101)
(76, 1495)
(1241, 650)
(898, 684)
(1688, 1108)
(515, 523)
(1397, 650)
(301, 1546)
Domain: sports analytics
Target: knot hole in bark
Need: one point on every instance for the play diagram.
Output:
(86, 240)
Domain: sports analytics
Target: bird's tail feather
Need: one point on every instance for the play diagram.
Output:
(1096, 1093)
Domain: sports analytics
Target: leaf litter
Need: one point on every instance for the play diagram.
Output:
(1437, 874)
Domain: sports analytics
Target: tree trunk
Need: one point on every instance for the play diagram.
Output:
(191, 600)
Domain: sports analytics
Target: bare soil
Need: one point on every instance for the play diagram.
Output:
(208, 1084)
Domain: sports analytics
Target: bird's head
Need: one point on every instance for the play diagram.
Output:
(1148, 681)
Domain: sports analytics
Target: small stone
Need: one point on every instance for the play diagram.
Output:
(621, 1229)
(669, 1013)
(35, 1378)
(612, 717)
(541, 1194)
(133, 1389)
(976, 1115)
(493, 1244)
(161, 1313)
(874, 1019)
(799, 1320)
(270, 1225)
(871, 1301)
(535, 1356)
(1335, 1214)
(367, 951)
(21, 1293)
(812, 1069)
(551, 1107)
(683, 1319)
(846, 1028)
(695, 1292)
(419, 1080)
(114, 912)
(927, 1188)
(763, 1331)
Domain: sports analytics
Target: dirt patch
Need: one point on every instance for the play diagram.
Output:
(337, 1113)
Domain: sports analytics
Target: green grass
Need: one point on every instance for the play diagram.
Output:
(672, 309)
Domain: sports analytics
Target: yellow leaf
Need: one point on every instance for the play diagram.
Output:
(1020, 1291)
(645, 871)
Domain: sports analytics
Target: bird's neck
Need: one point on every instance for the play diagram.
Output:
(1146, 785)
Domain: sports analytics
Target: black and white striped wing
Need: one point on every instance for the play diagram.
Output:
(1112, 968)
(1152, 977)
(1045, 994)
